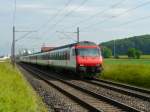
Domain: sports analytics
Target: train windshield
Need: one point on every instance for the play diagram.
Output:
(88, 52)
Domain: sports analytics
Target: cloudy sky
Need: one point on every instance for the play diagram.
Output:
(55, 21)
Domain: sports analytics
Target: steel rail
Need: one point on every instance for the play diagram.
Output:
(138, 89)
(122, 90)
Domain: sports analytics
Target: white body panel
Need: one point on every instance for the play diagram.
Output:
(64, 63)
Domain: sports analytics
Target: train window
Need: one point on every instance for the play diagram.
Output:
(50, 56)
(64, 55)
(57, 56)
(73, 52)
(40, 57)
(88, 52)
(60, 55)
(54, 56)
(43, 57)
(68, 55)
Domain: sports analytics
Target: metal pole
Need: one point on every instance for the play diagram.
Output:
(114, 48)
(78, 34)
(13, 47)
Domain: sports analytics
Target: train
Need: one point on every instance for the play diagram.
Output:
(83, 58)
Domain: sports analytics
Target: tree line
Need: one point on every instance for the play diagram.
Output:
(131, 53)
(133, 47)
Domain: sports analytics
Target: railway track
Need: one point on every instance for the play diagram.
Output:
(137, 89)
(140, 93)
(87, 98)
(134, 98)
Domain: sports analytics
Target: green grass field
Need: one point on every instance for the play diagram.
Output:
(131, 71)
(16, 95)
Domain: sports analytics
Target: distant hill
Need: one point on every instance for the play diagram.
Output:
(122, 45)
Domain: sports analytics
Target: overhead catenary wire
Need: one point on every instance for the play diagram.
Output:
(51, 18)
(57, 13)
(24, 36)
(68, 36)
(99, 13)
(133, 21)
(126, 23)
(123, 13)
(65, 16)
(69, 13)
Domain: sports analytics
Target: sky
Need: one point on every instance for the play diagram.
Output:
(54, 22)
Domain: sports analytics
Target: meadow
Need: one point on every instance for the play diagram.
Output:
(16, 94)
(130, 71)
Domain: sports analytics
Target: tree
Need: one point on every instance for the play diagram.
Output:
(131, 53)
(134, 53)
(138, 54)
(106, 52)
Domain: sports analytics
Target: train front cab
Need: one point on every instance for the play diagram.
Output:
(89, 60)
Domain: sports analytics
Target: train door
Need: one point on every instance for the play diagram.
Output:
(72, 59)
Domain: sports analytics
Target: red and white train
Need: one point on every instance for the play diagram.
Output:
(83, 57)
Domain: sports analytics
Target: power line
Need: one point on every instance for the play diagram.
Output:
(66, 35)
(98, 13)
(128, 22)
(69, 13)
(66, 15)
(43, 25)
(135, 20)
(136, 7)
(25, 35)
(123, 13)
(52, 18)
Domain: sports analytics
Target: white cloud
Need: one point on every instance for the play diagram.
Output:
(85, 10)
(31, 6)
(38, 8)
(101, 11)
(81, 9)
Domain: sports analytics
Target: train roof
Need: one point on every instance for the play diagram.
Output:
(86, 43)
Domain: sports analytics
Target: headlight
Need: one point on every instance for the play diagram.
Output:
(81, 65)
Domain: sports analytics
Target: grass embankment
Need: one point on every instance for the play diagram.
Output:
(130, 71)
(16, 95)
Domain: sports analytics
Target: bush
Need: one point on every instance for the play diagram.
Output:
(117, 57)
(106, 52)
(134, 53)
(138, 54)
